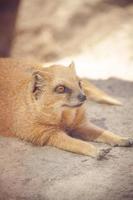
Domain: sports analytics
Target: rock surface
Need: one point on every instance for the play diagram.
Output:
(51, 30)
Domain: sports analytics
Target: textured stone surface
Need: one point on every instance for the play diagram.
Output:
(44, 173)
(96, 34)
(50, 30)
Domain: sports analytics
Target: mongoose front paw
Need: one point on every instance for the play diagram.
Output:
(102, 153)
(126, 142)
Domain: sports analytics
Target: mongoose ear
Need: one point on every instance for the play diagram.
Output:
(38, 83)
(72, 67)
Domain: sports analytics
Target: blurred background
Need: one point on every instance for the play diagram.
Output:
(96, 34)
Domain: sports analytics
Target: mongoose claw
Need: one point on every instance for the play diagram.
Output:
(128, 142)
(102, 153)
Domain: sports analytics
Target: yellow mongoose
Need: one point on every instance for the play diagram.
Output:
(46, 106)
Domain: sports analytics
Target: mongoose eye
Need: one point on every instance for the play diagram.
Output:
(60, 89)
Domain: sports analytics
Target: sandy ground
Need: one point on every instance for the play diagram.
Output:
(44, 173)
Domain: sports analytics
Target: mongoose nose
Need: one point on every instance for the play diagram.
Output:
(81, 97)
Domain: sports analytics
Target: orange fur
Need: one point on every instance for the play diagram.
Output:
(32, 108)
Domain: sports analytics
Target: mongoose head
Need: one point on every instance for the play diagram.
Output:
(58, 85)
